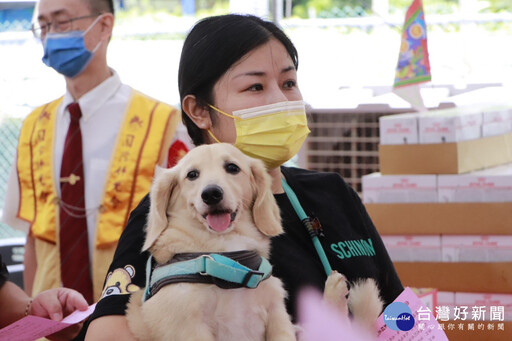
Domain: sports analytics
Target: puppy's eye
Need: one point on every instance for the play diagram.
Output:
(192, 175)
(231, 168)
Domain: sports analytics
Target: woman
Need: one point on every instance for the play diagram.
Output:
(230, 67)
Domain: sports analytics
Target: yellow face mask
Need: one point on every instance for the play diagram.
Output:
(272, 133)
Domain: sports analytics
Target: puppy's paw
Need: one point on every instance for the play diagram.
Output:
(365, 302)
(336, 292)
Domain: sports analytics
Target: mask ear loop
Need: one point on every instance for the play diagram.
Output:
(92, 25)
(223, 113)
(89, 28)
(213, 136)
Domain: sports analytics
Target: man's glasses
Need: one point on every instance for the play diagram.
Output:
(41, 29)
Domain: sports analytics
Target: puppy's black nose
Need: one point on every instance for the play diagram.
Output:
(212, 194)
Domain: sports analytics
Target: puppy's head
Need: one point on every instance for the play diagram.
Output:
(217, 187)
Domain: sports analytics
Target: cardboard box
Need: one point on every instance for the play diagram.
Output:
(475, 188)
(399, 129)
(496, 114)
(442, 218)
(505, 169)
(408, 248)
(450, 125)
(379, 188)
(496, 120)
(446, 299)
(446, 158)
(495, 128)
(488, 185)
(457, 277)
(473, 331)
(488, 301)
(428, 297)
(482, 248)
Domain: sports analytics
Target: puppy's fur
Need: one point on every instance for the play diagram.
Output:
(179, 222)
(363, 300)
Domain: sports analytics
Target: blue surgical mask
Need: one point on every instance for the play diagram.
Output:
(66, 52)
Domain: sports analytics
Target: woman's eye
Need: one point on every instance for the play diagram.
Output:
(289, 84)
(231, 168)
(192, 175)
(255, 87)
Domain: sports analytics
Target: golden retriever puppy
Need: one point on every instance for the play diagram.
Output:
(216, 200)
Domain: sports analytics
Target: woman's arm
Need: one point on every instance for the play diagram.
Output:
(112, 327)
(13, 303)
(30, 264)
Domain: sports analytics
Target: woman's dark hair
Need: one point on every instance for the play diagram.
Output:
(212, 47)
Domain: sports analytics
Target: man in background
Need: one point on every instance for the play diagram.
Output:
(84, 160)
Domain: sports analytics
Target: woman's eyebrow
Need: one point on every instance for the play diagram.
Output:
(251, 73)
(263, 73)
(288, 69)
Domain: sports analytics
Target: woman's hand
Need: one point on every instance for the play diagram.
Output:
(55, 304)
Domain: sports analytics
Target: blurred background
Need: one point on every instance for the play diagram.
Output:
(348, 52)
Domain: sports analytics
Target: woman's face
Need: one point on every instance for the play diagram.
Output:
(266, 75)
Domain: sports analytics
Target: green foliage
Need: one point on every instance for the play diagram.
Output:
(206, 8)
(429, 6)
(353, 8)
(496, 6)
(331, 8)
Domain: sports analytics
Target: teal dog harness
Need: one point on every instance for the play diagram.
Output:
(227, 270)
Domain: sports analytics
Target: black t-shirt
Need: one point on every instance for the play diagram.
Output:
(3, 272)
(350, 240)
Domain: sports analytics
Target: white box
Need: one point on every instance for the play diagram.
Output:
(428, 297)
(481, 186)
(496, 121)
(488, 300)
(496, 114)
(476, 248)
(378, 188)
(399, 129)
(450, 125)
(409, 248)
(446, 299)
(493, 129)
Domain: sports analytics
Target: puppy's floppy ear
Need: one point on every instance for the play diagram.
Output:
(265, 210)
(164, 182)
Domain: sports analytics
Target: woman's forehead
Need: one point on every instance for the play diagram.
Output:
(269, 57)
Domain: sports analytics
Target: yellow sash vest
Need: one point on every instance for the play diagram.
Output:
(147, 128)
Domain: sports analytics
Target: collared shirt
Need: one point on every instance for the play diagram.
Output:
(102, 111)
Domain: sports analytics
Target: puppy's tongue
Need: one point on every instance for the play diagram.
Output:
(219, 222)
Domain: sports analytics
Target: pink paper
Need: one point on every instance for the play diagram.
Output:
(319, 322)
(425, 326)
(32, 327)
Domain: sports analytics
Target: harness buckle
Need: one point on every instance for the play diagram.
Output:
(205, 257)
(249, 275)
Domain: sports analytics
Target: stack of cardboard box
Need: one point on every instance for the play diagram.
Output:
(445, 213)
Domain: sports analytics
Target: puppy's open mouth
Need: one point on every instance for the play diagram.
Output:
(219, 221)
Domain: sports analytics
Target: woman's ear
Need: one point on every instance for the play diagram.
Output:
(198, 113)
